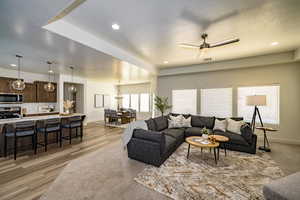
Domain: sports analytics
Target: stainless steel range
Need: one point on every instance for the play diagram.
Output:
(10, 112)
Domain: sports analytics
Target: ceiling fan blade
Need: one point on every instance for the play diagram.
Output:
(225, 42)
(190, 46)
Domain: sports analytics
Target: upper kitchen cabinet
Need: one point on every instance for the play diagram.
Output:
(42, 95)
(29, 93)
(5, 85)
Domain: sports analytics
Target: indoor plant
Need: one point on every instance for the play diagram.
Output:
(162, 104)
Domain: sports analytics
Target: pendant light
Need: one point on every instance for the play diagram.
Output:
(18, 84)
(49, 87)
(72, 88)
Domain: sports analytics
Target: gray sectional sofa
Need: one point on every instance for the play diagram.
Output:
(155, 145)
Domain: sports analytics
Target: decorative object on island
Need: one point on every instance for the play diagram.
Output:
(162, 104)
(67, 106)
(258, 100)
(19, 84)
(49, 87)
(72, 88)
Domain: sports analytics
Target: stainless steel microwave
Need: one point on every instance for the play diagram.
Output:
(11, 98)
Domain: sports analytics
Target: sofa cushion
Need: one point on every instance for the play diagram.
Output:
(247, 133)
(175, 121)
(234, 126)
(200, 121)
(161, 123)
(170, 142)
(193, 131)
(233, 118)
(177, 133)
(233, 137)
(151, 124)
(220, 125)
(284, 188)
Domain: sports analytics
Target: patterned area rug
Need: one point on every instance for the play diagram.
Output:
(237, 176)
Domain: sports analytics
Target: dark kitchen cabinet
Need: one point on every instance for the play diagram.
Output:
(5, 85)
(42, 95)
(29, 93)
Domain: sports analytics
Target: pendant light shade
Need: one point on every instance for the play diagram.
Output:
(72, 88)
(18, 84)
(49, 87)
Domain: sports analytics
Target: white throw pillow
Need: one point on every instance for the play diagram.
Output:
(175, 121)
(220, 125)
(234, 126)
(186, 122)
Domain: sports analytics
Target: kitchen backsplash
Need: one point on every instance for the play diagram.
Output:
(33, 107)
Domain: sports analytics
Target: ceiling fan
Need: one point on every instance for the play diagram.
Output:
(206, 45)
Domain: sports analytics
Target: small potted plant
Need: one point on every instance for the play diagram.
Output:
(205, 133)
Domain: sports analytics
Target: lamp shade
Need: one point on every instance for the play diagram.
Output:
(257, 100)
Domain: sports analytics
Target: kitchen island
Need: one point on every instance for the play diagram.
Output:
(26, 143)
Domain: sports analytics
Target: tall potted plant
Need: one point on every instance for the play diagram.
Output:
(162, 104)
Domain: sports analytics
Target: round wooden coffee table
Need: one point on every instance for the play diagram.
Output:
(200, 142)
(222, 140)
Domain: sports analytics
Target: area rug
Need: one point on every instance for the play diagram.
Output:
(237, 176)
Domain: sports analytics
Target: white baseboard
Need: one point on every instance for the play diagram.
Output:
(280, 140)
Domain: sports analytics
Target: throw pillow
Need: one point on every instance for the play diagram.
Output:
(175, 121)
(234, 126)
(247, 133)
(220, 125)
(186, 122)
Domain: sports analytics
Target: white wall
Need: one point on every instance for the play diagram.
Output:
(95, 87)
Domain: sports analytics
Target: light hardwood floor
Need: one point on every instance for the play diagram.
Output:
(30, 175)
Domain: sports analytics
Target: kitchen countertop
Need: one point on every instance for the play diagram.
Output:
(36, 118)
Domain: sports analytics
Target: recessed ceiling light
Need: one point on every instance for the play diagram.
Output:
(274, 43)
(50, 71)
(13, 65)
(115, 26)
(166, 62)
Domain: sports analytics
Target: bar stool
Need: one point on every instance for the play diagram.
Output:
(21, 129)
(50, 126)
(70, 124)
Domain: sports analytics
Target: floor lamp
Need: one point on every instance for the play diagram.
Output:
(258, 100)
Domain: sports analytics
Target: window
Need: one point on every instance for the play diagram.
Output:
(269, 113)
(184, 101)
(216, 102)
(125, 101)
(134, 102)
(145, 102)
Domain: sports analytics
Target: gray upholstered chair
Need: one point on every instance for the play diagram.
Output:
(20, 130)
(49, 126)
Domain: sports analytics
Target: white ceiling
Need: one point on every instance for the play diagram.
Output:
(21, 32)
(152, 29)
(149, 30)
